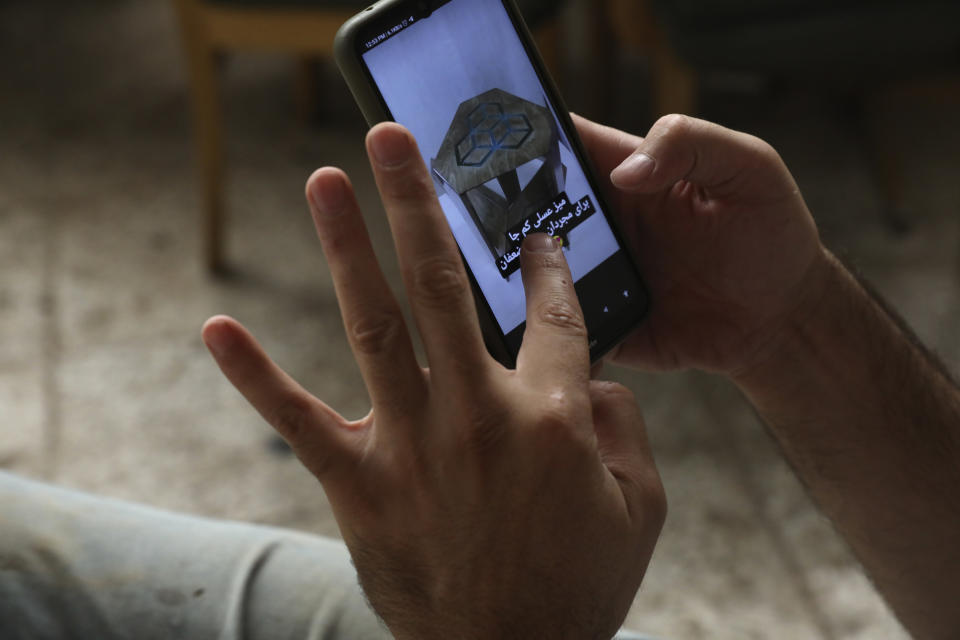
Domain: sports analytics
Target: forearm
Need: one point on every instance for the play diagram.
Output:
(872, 425)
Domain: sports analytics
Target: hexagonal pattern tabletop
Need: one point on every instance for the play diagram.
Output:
(491, 134)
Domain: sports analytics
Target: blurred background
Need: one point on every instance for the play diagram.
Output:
(152, 161)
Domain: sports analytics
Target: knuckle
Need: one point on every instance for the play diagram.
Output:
(376, 334)
(438, 281)
(674, 124)
(759, 155)
(612, 396)
(558, 426)
(556, 415)
(617, 392)
(409, 184)
(562, 315)
(766, 153)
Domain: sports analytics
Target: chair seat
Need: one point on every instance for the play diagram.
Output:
(295, 4)
(535, 12)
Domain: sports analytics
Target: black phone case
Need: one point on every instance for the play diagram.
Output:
(375, 111)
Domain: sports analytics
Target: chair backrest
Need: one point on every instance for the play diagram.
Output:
(535, 12)
(816, 36)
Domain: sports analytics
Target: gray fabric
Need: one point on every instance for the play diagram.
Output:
(77, 566)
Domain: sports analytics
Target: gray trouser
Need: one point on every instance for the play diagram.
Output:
(78, 566)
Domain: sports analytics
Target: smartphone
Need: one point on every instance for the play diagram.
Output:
(465, 78)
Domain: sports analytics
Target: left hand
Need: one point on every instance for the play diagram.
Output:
(724, 241)
(476, 501)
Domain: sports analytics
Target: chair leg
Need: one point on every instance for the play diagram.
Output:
(548, 42)
(675, 86)
(674, 82)
(209, 125)
(307, 87)
(883, 166)
(202, 63)
(608, 63)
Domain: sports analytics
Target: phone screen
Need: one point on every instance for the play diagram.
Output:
(459, 78)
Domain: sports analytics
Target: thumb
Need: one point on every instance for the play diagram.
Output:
(606, 146)
(681, 148)
(622, 443)
(618, 423)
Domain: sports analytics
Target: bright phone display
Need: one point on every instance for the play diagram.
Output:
(458, 76)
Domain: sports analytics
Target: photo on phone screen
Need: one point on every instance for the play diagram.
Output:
(459, 78)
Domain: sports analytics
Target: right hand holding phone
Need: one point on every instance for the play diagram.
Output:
(723, 237)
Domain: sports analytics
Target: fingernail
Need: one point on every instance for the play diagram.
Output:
(636, 168)
(328, 192)
(541, 243)
(390, 146)
(217, 340)
(215, 344)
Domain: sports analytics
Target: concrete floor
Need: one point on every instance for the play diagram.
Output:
(105, 386)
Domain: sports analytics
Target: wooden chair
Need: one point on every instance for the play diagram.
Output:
(850, 49)
(302, 28)
(634, 25)
(849, 45)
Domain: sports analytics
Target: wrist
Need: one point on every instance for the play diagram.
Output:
(790, 342)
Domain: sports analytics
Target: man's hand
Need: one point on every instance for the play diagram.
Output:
(740, 284)
(724, 240)
(477, 502)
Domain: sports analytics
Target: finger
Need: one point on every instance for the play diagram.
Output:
(319, 436)
(554, 350)
(606, 146)
(432, 268)
(683, 148)
(625, 450)
(371, 316)
(596, 371)
(621, 431)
